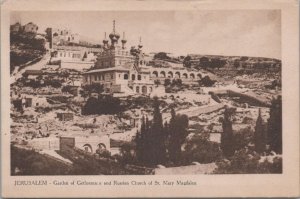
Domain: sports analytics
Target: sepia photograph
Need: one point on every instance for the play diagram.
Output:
(105, 93)
(150, 98)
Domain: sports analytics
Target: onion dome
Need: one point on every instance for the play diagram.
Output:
(105, 41)
(114, 36)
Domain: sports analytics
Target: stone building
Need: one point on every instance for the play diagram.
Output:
(31, 28)
(87, 143)
(64, 116)
(121, 70)
(17, 27)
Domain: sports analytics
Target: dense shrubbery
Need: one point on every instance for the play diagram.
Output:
(206, 81)
(127, 154)
(142, 101)
(174, 86)
(105, 104)
(275, 83)
(245, 161)
(38, 83)
(29, 162)
(200, 149)
(237, 148)
(58, 99)
(164, 56)
(242, 138)
(93, 88)
(25, 48)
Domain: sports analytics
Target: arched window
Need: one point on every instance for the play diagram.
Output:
(144, 89)
(163, 74)
(170, 74)
(133, 77)
(141, 62)
(139, 77)
(155, 74)
(88, 148)
(101, 146)
(125, 76)
(137, 89)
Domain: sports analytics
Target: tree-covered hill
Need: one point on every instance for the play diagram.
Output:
(25, 49)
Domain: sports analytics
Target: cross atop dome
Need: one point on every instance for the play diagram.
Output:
(114, 36)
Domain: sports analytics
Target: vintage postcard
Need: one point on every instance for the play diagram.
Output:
(150, 98)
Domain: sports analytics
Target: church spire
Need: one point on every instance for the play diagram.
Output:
(123, 41)
(114, 36)
(140, 44)
(105, 41)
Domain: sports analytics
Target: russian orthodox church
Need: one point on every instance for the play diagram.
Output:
(125, 71)
(120, 70)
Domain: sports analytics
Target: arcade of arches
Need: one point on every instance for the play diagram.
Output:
(177, 74)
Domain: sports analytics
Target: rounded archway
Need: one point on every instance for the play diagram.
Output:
(177, 74)
(155, 74)
(163, 74)
(88, 148)
(199, 76)
(184, 75)
(125, 76)
(133, 77)
(102, 146)
(137, 89)
(144, 89)
(170, 74)
(192, 76)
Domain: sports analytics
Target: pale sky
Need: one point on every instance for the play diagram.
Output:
(213, 32)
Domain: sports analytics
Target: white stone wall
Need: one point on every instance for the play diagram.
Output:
(78, 65)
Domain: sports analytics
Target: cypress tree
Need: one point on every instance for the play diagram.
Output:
(157, 135)
(259, 134)
(140, 141)
(139, 146)
(147, 124)
(173, 113)
(143, 125)
(152, 149)
(227, 135)
(157, 118)
(177, 131)
(275, 125)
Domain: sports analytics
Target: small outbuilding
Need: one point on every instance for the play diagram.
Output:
(65, 116)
